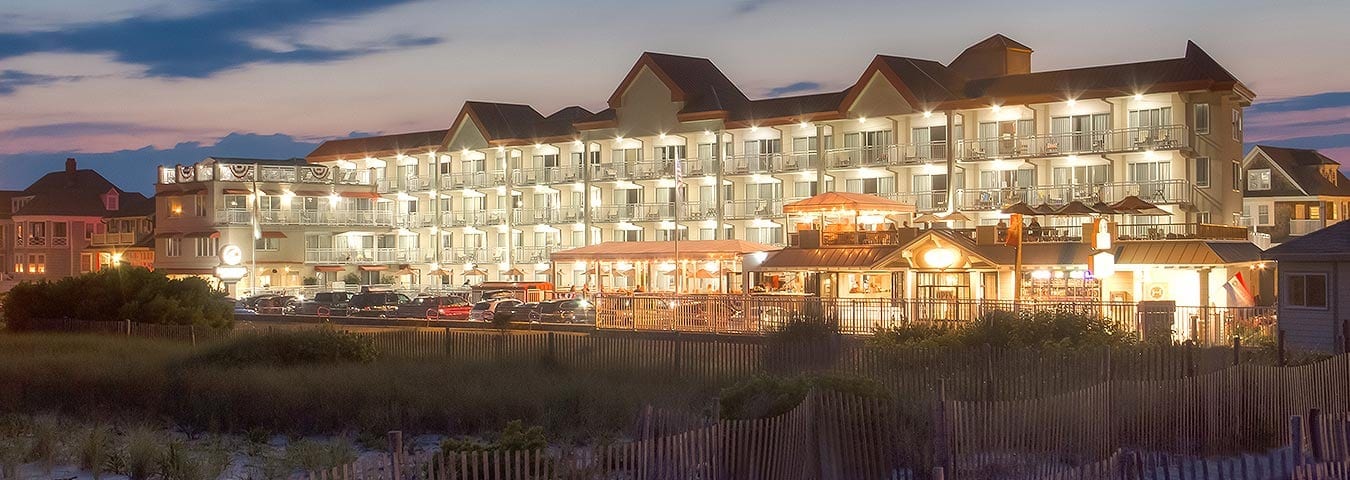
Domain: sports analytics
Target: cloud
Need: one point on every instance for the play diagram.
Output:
(135, 169)
(11, 80)
(1301, 103)
(211, 41)
(51, 15)
(799, 87)
(79, 129)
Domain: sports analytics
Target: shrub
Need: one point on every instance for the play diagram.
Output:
(177, 463)
(142, 454)
(351, 279)
(94, 449)
(515, 436)
(46, 445)
(282, 349)
(1004, 329)
(116, 294)
(311, 280)
(767, 396)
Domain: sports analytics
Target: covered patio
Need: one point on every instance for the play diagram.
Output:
(689, 266)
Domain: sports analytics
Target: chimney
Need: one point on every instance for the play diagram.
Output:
(70, 165)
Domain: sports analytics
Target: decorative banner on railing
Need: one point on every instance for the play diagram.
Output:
(186, 173)
(315, 173)
(240, 172)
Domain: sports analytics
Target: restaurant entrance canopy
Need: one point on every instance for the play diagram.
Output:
(643, 251)
(839, 202)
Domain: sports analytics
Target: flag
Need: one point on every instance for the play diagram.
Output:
(1014, 236)
(1238, 294)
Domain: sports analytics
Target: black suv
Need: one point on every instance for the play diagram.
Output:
(572, 310)
(325, 303)
(375, 304)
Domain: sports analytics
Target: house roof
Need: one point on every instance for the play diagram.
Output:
(1328, 244)
(79, 193)
(134, 206)
(835, 258)
(653, 250)
(376, 146)
(6, 196)
(1304, 167)
(1186, 252)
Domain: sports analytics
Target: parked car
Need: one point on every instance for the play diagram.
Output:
(573, 310)
(523, 312)
(486, 310)
(433, 307)
(276, 304)
(242, 310)
(325, 303)
(375, 304)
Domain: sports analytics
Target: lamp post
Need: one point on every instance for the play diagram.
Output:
(229, 271)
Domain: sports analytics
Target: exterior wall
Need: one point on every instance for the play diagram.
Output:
(1315, 329)
(61, 261)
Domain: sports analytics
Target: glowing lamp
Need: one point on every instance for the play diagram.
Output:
(667, 267)
(940, 258)
(1102, 264)
(580, 266)
(711, 267)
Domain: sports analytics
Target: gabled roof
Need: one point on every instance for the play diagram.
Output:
(998, 40)
(828, 259)
(6, 201)
(692, 80)
(1304, 168)
(79, 193)
(133, 205)
(923, 83)
(510, 121)
(1328, 244)
(377, 146)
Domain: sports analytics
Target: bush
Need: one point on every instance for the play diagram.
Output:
(94, 449)
(283, 349)
(116, 294)
(1003, 329)
(514, 437)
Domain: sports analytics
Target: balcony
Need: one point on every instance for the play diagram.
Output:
(339, 218)
(348, 256)
(248, 172)
(1124, 140)
(1180, 231)
(769, 163)
(413, 183)
(1298, 228)
(534, 254)
(1161, 192)
(464, 255)
(886, 155)
(464, 180)
(546, 175)
(121, 239)
(756, 208)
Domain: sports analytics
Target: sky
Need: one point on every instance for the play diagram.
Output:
(126, 85)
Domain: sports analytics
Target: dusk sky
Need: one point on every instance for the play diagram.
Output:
(127, 85)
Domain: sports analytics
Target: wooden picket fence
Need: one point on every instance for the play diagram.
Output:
(1238, 409)
(126, 328)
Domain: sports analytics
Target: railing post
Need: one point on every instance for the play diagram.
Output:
(1315, 435)
(395, 454)
(1279, 348)
(1237, 349)
(128, 326)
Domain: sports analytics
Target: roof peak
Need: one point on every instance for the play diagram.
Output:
(999, 40)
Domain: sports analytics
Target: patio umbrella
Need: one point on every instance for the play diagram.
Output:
(475, 273)
(1075, 209)
(1103, 208)
(514, 272)
(955, 217)
(440, 272)
(1021, 208)
(704, 274)
(927, 218)
(405, 271)
(1045, 209)
(1132, 204)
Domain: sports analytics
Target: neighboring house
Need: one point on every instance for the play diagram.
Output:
(1314, 288)
(1291, 192)
(6, 239)
(53, 222)
(126, 237)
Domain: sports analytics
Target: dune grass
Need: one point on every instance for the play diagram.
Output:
(106, 379)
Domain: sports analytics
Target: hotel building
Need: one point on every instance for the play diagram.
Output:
(682, 151)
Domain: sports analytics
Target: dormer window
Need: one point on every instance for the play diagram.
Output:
(110, 200)
(1329, 171)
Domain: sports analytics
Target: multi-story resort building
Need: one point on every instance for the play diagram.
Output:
(681, 151)
(1291, 192)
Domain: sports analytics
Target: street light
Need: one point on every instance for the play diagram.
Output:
(230, 271)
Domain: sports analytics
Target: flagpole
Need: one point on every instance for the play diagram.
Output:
(679, 270)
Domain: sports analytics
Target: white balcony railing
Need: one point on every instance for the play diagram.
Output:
(346, 256)
(112, 239)
(337, 218)
(1304, 227)
(1134, 139)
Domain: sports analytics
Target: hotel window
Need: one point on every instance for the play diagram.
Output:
(37, 263)
(474, 165)
(110, 201)
(1079, 133)
(626, 156)
(763, 191)
(929, 142)
(874, 186)
(546, 161)
(444, 167)
(267, 244)
(707, 156)
(628, 235)
(1001, 138)
(766, 235)
(205, 246)
(1306, 290)
(1082, 175)
(711, 234)
(1202, 171)
(707, 198)
(1202, 217)
(1258, 179)
(173, 247)
(758, 153)
(1152, 117)
(1016, 179)
(1314, 212)
(1237, 124)
(872, 145)
(1201, 112)
(595, 157)
(804, 151)
(670, 152)
(930, 191)
(269, 202)
(86, 261)
(37, 231)
(804, 189)
(59, 233)
(175, 207)
(236, 202)
(666, 235)
(1263, 214)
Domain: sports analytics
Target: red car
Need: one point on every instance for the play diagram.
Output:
(436, 308)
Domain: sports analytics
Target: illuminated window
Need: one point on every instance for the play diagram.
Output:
(1258, 179)
(173, 247)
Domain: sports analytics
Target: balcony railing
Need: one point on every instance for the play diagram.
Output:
(534, 254)
(364, 255)
(113, 239)
(1180, 231)
(413, 183)
(769, 163)
(757, 208)
(464, 180)
(1160, 192)
(463, 255)
(1303, 227)
(247, 172)
(1123, 140)
(546, 175)
(885, 155)
(361, 218)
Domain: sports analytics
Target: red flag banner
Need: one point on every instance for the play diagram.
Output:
(1014, 237)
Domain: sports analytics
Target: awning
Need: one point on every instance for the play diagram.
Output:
(359, 194)
(310, 193)
(273, 235)
(1186, 252)
(827, 259)
(168, 234)
(652, 250)
(175, 193)
(206, 234)
(236, 191)
(373, 268)
(329, 268)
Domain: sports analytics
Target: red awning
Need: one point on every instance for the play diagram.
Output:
(373, 268)
(311, 193)
(236, 191)
(273, 235)
(167, 235)
(360, 194)
(210, 234)
(328, 268)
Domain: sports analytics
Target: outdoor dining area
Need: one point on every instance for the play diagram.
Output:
(844, 218)
(1034, 231)
(684, 267)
